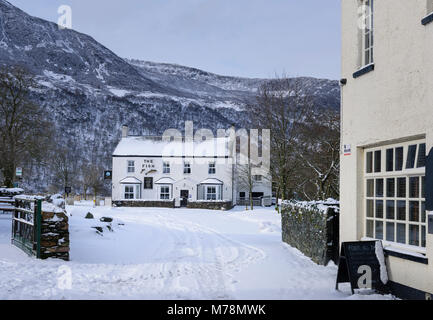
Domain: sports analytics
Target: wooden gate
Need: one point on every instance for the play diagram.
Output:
(26, 225)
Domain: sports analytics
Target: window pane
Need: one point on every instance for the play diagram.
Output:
(370, 224)
(389, 160)
(390, 209)
(401, 210)
(369, 164)
(379, 230)
(411, 152)
(401, 187)
(423, 214)
(414, 211)
(379, 188)
(390, 188)
(401, 233)
(414, 187)
(379, 209)
(377, 161)
(399, 159)
(370, 188)
(421, 156)
(423, 243)
(370, 208)
(414, 235)
(423, 187)
(390, 232)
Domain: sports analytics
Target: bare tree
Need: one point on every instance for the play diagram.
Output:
(94, 173)
(25, 133)
(282, 106)
(64, 165)
(319, 149)
(246, 181)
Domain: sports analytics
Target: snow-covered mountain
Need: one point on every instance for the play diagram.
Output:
(90, 92)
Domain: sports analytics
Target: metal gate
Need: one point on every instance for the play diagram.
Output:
(26, 225)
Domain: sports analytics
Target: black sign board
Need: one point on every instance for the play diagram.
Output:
(108, 175)
(68, 190)
(357, 259)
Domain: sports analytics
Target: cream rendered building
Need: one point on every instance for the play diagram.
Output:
(387, 130)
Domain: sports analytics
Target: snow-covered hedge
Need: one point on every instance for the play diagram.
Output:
(311, 228)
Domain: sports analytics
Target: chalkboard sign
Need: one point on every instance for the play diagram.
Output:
(363, 265)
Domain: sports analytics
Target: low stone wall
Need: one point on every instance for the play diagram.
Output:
(211, 205)
(312, 228)
(155, 204)
(54, 233)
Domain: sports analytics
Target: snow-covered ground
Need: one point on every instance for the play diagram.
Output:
(170, 254)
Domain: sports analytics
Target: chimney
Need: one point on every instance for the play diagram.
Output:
(125, 131)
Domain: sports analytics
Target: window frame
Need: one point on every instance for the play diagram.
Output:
(146, 184)
(129, 166)
(367, 35)
(166, 195)
(166, 169)
(371, 198)
(136, 191)
(128, 192)
(187, 167)
(212, 168)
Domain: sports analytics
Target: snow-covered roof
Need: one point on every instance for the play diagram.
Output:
(165, 181)
(211, 181)
(129, 180)
(155, 147)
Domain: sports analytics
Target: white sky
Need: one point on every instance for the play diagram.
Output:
(251, 38)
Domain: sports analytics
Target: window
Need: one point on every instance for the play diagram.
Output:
(129, 192)
(186, 168)
(367, 33)
(131, 166)
(164, 193)
(166, 167)
(148, 183)
(211, 193)
(212, 168)
(257, 178)
(395, 197)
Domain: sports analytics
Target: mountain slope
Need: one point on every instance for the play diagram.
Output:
(90, 92)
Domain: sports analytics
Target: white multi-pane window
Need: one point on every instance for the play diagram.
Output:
(212, 168)
(186, 167)
(395, 194)
(164, 193)
(211, 193)
(166, 167)
(129, 192)
(131, 166)
(367, 32)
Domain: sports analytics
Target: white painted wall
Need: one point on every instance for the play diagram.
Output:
(199, 173)
(393, 103)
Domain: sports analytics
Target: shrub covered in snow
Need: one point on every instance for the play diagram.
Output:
(9, 192)
(311, 228)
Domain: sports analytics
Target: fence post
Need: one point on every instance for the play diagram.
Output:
(38, 209)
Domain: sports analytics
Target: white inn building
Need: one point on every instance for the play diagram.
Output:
(155, 172)
(387, 135)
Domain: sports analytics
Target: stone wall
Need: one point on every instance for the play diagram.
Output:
(54, 233)
(155, 204)
(211, 205)
(312, 228)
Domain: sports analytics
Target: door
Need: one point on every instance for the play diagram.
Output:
(184, 195)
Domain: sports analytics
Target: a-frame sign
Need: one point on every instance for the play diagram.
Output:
(362, 259)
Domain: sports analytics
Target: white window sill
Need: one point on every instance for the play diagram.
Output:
(400, 248)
